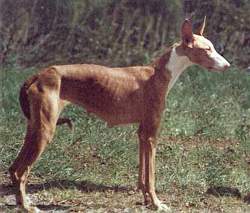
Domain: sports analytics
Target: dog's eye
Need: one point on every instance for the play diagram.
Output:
(208, 48)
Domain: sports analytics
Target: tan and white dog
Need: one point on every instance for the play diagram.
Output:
(117, 95)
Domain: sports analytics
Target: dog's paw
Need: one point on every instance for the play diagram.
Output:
(27, 206)
(163, 208)
(33, 209)
(160, 207)
(28, 209)
(27, 201)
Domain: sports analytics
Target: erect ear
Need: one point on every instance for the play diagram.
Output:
(202, 27)
(187, 33)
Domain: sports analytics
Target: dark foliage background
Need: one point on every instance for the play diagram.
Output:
(114, 32)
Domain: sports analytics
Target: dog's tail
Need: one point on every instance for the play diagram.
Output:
(24, 102)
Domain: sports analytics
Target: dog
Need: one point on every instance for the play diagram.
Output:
(122, 95)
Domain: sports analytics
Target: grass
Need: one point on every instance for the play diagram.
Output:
(202, 159)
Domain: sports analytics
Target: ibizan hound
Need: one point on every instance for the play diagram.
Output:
(116, 95)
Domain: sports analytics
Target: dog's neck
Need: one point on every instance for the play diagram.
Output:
(176, 64)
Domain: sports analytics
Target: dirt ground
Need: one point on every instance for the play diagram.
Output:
(66, 196)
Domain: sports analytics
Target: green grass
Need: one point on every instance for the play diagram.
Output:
(204, 143)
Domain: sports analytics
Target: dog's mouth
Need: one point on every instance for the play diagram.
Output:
(214, 69)
(210, 68)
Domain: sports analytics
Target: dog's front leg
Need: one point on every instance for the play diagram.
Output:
(150, 174)
(148, 142)
(142, 158)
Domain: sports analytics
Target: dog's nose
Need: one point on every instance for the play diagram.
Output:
(226, 66)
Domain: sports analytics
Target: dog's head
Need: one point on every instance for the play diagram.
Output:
(200, 50)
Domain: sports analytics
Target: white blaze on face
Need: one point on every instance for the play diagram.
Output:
(220, 63)
(176, 65)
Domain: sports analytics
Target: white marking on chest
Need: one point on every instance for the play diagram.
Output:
(176, 65)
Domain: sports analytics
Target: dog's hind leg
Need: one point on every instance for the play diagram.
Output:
(40, 130)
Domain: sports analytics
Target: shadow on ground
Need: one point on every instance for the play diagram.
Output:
(83, 186)
(8, 191)
(49, 207)
(220, 191)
